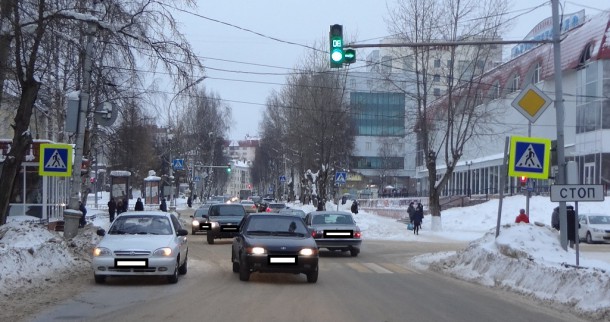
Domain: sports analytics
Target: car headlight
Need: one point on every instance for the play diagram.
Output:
(597, 230)
(214, 224)
(307, 252)
(257, 250)
(196, 223)
(165, 251)
(101, 251)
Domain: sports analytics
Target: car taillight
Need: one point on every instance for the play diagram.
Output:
(268, 210)
(357, 234)
(313, 234)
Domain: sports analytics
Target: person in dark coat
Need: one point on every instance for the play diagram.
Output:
(139, 205)
(411, 211)
(163, 206)
(189, 202)
(125, 204)
(111, 209)
(119, 207)
(555, 218)
(83, 220)
(418, 217)
(355, 207)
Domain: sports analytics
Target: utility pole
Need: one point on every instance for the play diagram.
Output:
(73, 205)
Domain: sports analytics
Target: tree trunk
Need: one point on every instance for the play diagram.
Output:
(21, 141)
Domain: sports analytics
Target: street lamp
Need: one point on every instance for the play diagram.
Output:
(469, 164)
(172, 202)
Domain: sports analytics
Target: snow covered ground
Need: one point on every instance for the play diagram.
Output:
(525, 258)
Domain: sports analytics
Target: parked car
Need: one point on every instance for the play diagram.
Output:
(293, 211)
(200, 220)
(249, 206)
(224, 220)
(274, 243)
(141, 243)
(335, 231)
(594, 228)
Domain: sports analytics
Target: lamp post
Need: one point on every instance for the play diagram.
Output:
(469, 164)
(172, 202)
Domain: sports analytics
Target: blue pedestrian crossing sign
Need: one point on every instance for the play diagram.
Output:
(340, 177)
(282, 179)
(178, 164)
(55, 160)
(529, 157)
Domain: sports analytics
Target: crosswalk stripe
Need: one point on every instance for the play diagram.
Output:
(377, 269)
(359, 267)
(398, 269)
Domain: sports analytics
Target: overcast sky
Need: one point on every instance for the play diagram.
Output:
(243, 67)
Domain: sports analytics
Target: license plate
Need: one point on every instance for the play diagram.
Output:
(282, 260)
(229, 228)
(205, 226)
(338, 234)
(131, 263)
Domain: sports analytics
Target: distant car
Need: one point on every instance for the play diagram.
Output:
(274, 243)
(224, 221)
(200, 220)
(594, 228)
(249, 206)
(275, 207)
(335, 231)
(141, 243)
(292, 211)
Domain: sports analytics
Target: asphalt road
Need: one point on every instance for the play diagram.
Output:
(378, 285)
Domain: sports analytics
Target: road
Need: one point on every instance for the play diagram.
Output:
(378, 285)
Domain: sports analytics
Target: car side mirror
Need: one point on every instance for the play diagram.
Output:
(101, 232)
(182, 232)
(192, 216)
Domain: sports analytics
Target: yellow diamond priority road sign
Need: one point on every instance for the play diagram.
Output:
(531, 102)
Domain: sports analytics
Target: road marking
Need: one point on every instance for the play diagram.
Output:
(377, 269)
(399, 269)
(359, 267)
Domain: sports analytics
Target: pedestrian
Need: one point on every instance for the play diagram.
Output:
(355, 207)
(522, 217)
(555, 218)
(111, 209)
(163, 206)
(321, 204)
(411, 211)
(83, 210)
(189, 202)
(139, 205)
(125, 204)
(119, 207)
(418, 217)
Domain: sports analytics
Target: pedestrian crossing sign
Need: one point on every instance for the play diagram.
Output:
(55, 160)
(529, 157)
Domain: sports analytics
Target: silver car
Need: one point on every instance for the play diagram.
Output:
(594, 228)
(141, 243)
(335, 231)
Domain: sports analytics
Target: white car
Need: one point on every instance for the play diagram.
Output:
(141, 243)
(594, 228)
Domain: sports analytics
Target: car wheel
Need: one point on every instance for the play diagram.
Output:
(235, 263)
(173, 279)
(354, 252)
(99, 279)
(244, 270)
(312, 276)
(589, 238)
(184, 267)
(210, 239)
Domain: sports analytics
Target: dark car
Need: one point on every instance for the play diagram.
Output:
(335, 231)
(274, 243)
(200, 222)
(275, 206)
(224, 220)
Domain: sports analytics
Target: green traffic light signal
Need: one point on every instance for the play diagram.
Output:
(228, 167)
(336, 46)
(349, 55)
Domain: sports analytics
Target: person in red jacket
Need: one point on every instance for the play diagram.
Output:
(522, 217)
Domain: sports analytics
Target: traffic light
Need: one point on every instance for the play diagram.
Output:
(349, 55)
(229, 167)
(523, 180)
(336, 46)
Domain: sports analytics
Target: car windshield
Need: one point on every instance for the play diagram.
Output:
(277, 226)
(599, 220)
(203, 210)
(277, 205)
(332, 219)
(227, 210)
(141, 225)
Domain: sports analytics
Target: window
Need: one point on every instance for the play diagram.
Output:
(436, 78)
(449, 63)
(536, 73)
(367, 146)
(514, 84)
(437, 63)
(378, 114)
(437, 92)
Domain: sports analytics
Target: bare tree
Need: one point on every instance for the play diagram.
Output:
(388, 155)
(30, 29)
(443, 127)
